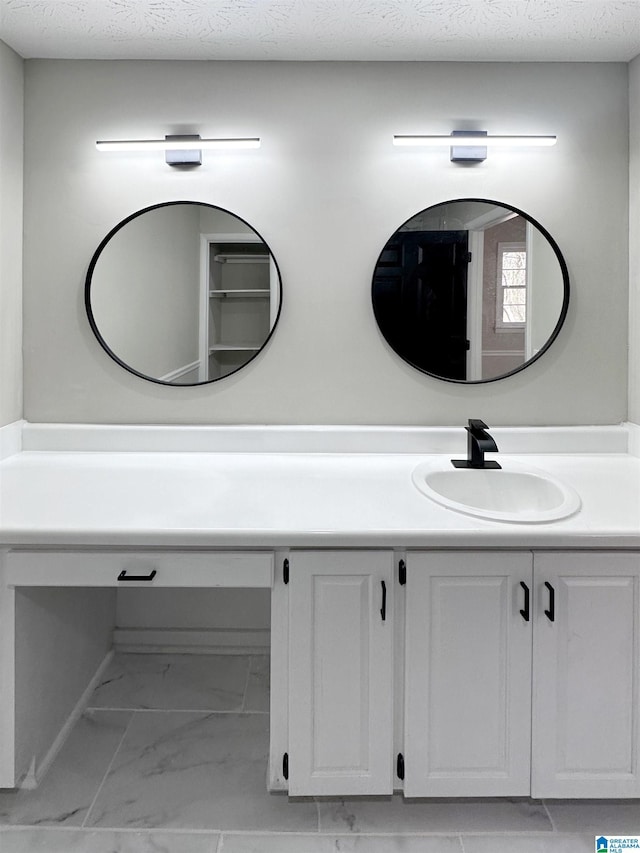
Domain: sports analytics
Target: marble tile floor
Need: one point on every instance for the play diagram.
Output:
(171, 755)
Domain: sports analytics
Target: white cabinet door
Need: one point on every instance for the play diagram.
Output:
(586, 669)
(340, 672)
(468, 674)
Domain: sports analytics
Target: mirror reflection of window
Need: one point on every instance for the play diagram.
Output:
(502, 346)
(511, 304)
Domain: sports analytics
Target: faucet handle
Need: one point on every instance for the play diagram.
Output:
(479, 442)
(476, 424)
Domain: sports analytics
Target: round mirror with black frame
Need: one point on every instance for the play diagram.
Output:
(183, 293)
(470, 291)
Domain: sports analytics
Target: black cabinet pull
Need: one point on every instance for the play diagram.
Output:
(123, 576)
(525, 612)
(383, 609)
(551, 612)
(400, 766)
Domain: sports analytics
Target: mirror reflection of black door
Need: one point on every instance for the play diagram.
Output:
(420, 299)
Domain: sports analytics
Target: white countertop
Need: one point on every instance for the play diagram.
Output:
(235, 499)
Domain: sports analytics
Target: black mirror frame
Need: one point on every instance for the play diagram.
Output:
(94, 326)
(553, 335)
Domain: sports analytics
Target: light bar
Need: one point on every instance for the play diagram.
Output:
(474, 140)
(173, 144)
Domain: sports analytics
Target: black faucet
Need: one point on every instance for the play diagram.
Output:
(479, 442)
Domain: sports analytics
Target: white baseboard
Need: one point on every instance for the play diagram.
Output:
(634, 439)
(179, 372)
(11, 439)
(37, 771)
(203, 641)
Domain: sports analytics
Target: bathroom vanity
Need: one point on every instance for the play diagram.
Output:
(494, 657)
(413, 647)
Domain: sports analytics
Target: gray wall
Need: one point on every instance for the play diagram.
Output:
(145, 290)
(326, 190)
(547, 290)
(11, 141)
(62, 637)
(223, 609)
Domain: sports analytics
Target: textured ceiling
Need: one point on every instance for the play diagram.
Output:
(535, 30)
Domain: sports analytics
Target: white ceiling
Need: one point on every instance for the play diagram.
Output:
(518, 30)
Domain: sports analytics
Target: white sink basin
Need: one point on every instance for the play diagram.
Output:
(512, 493)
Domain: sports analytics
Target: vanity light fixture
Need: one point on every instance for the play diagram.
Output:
(181, 150)
(470, 146)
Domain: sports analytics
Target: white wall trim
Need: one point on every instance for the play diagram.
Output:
(634, 439)
(37, 773)
(192, 640)
(11, 439)
(7, 679)
(180, 371)
(317, 439)
(474, 305)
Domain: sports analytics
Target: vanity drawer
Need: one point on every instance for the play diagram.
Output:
(139, 568)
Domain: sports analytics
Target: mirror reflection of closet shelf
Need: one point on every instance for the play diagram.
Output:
(183, 293)
(240, 282)
(259, 293)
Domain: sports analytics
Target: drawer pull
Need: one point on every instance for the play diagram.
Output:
(123, 576)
